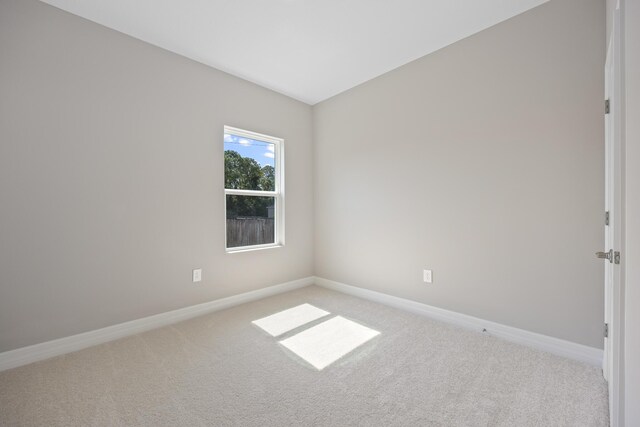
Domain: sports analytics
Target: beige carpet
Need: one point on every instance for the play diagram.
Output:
(222, 370)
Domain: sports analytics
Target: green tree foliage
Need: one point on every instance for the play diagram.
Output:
(268, 178)
(244, 173)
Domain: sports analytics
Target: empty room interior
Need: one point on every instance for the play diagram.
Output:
(320, 213)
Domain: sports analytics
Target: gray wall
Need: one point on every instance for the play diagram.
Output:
(111, 178)
(482, 161)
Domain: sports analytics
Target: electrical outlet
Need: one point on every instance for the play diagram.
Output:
(427, 276)
(197, 275)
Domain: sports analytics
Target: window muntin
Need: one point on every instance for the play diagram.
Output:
(254, 199)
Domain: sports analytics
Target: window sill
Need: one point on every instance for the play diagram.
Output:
(252, 248)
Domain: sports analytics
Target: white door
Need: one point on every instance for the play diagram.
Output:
(612, 237)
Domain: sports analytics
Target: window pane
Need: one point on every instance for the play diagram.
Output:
(249, 164)
(250, 220)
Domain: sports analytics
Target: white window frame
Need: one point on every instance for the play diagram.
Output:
(278, 193)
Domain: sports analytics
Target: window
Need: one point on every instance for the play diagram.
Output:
(253, 187)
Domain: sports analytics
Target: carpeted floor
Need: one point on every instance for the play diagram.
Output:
(222, 370)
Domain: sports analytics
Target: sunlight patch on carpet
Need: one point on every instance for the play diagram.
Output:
(284, 321)
(327, 342)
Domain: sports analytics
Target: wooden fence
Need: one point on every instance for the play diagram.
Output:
(249, 231)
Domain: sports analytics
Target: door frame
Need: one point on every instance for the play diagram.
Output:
(612, 360)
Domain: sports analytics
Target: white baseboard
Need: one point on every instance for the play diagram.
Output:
(33, 353)
(25, 355)
(571, 350)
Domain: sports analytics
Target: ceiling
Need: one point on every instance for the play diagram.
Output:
(309, 50)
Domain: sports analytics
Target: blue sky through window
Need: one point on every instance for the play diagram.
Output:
(262, 152)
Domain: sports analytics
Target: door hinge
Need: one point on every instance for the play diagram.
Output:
(606, 106)
(606, 218)
(616, 257)
(606, 330)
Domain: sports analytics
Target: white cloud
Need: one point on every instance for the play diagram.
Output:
(271, 147)
(269, 155)
(228, 138)
(244, 142)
